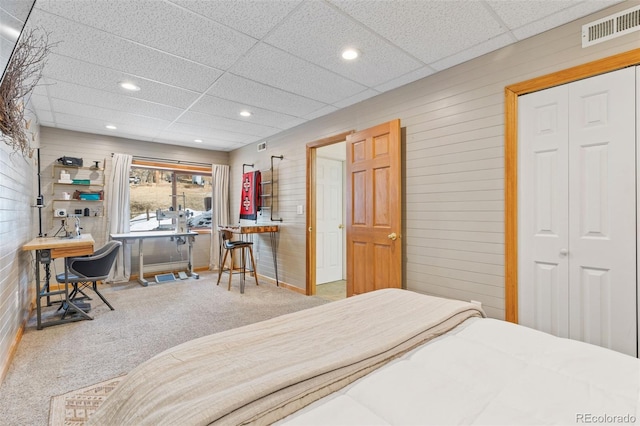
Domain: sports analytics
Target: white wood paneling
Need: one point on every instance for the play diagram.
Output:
(454, 116)
(17, 180)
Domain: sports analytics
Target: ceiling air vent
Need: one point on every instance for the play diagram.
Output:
(610, 27)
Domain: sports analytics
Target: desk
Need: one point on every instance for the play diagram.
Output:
(52, 248)
(132, 236)
(256, 229)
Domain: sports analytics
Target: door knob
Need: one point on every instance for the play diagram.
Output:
(564, 252)
(392, 236)
(341, 226)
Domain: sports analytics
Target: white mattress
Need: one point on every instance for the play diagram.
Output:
(489, 372)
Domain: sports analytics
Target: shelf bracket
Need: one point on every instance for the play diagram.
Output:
(246, 165)
(279, 157)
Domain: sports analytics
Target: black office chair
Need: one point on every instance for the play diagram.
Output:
(86, 271)
(230, 247)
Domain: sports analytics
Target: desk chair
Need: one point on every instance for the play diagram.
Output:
(86, 271)
(230, 247)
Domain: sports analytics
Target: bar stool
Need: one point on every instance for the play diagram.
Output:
(230, 247)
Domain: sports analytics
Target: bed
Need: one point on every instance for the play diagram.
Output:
(389, 357)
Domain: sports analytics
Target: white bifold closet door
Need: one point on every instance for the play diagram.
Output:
(577, 211)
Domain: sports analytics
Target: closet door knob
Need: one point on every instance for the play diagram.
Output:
(564, 252)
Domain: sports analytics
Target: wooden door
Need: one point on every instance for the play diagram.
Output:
(374, 209)
(329, 226)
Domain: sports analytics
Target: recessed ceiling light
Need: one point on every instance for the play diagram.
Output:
(350, 54)
(245, 113)
(129, 86)
(198, 140)
(110, 127)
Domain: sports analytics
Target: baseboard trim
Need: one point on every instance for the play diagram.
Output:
(13, 349)
(283, 284)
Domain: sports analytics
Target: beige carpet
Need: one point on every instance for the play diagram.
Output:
(147, 321)
(74, 408)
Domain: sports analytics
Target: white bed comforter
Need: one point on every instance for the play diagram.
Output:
(493, 373)
(262, 372)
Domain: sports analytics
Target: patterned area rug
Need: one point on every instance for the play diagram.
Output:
(75, 407)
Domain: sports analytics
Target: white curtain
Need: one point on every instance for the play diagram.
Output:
(118, 214)
(219, 209)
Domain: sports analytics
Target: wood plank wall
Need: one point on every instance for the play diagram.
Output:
(18, 191)
(453, 164)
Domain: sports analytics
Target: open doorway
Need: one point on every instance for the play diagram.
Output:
(326, 211)
(330, 218)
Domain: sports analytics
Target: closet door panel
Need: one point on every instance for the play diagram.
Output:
(602, 211)
(543, 205)
(637, 69)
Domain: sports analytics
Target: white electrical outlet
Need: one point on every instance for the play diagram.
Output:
(299, 209)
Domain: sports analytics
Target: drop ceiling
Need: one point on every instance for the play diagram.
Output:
(200, 63)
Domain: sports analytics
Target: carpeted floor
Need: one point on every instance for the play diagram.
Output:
(147, 320)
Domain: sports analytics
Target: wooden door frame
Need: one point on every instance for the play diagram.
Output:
(511, 93)
(311, 205)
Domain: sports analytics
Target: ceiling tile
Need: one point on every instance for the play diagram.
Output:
(255, 18)
(445, 27)
(199, 62)
(560, 17)
(42, 108)
(532, 11)
(223, 108)
(108, 51)
(208, 133)
(318, 32)
(328, 109)
(405, 79)
(96, 125)
(473, 52)
(105, 79)
(271, 66)
(358, 97)
(119, 102)
(118, 118)
(184, 34)
(175, 138)
(227, 124)
(242, 90)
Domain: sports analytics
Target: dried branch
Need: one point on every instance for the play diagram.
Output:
(21, 77)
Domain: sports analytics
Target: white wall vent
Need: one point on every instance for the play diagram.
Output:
(262, 146)
(611, 27)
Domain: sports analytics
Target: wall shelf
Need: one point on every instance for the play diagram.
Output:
(270, 198)
(92, 181)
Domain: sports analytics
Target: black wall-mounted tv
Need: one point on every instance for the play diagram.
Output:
(13, 17)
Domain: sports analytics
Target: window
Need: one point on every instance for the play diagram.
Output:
(160, 186)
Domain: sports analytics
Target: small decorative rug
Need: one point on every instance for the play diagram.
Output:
(74, 408)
